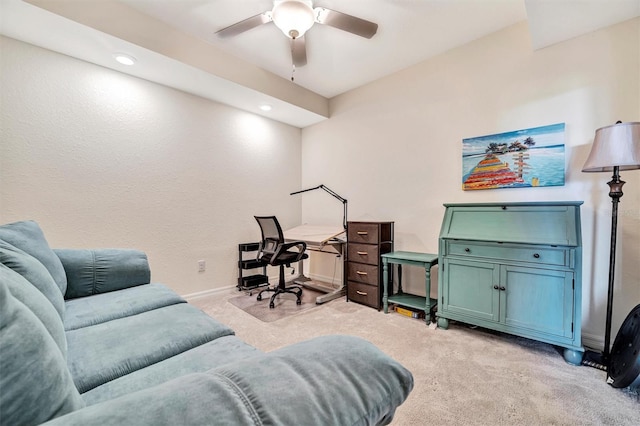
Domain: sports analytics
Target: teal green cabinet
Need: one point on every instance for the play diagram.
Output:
(515, 268)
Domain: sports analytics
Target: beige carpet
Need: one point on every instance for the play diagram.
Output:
(285, 304)
(463, 376)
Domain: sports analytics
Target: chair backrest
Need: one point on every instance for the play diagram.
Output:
(272, 235)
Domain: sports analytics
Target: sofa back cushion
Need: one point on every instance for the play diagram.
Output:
(22, 290)
(34, 272)
(99, 271)
(36, 384)
(28, 237)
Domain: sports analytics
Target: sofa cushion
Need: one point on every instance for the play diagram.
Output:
(104, 352)
(331, 380)
(100, 308)
(34, 271)
(216, 353)
(28, 295)
(352, 382)
(35, 382)
(97, 271)
(28, 237)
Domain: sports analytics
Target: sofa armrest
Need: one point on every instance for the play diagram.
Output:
(102, 270)
(330, 380)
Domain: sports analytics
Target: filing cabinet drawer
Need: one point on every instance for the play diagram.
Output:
(363, 293)
(363, 233)
(363, 273)
(540, 255)
(364, 253)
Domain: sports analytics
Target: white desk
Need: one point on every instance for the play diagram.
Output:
(325, 239)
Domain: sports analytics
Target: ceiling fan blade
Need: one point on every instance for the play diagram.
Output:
(245, 25)
(345, 22)
(299, 52)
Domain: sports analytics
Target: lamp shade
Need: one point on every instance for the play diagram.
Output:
(615, 145)
(293, 17)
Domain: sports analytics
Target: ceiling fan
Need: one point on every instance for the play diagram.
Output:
(295, 17)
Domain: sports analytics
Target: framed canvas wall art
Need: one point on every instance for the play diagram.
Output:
(518, 159)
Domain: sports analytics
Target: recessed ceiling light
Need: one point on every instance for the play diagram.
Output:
(266, 107)
(124, 59)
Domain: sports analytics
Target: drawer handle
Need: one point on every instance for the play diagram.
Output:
(502, 288)
(363, 233)
(361, 273)
(468, 250)
(361, 293)
(495, 287)
(536, 255)
(363, 253)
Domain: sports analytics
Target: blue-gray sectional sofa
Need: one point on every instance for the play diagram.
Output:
(86, 339)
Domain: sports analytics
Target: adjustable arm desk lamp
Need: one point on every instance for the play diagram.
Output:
(344, 201)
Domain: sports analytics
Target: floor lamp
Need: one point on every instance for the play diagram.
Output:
(614, 148)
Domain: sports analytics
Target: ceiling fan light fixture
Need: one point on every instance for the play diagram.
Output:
(293, 17)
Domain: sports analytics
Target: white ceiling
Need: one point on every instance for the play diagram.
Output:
(174, 39)
(409, 32)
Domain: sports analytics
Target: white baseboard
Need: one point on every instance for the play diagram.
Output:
(205, 293)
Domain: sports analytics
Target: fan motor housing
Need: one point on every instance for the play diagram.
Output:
(624, 366)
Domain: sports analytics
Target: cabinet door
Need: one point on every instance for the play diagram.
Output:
(469, 291)
(538, 299)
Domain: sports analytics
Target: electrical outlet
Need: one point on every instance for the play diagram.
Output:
(202, 265)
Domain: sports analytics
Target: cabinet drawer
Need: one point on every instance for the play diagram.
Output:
(364, 253)
(363, 293)
(541, 255)
(363, 273)
(363, 233)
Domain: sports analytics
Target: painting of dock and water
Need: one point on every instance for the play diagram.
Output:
(518, 159)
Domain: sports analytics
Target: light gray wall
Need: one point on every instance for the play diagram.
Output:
(103, 159)
(393, 148)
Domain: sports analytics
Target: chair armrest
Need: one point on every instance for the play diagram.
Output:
(103, 270)
(300, 245)
(329, 380)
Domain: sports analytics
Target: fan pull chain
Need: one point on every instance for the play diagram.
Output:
(293, 71)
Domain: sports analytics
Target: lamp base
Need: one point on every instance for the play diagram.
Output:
(595, 360)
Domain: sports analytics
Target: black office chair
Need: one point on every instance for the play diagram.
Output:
(276, 252)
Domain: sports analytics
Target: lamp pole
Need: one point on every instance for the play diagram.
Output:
(615, 192)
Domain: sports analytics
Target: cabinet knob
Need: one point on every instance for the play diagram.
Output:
(536, 255)
(502, 288)
(495, 287)
(467, 249)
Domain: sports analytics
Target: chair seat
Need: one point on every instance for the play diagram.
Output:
(285, 258)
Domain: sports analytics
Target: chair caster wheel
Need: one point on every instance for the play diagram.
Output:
(298, 302)
(272, 305)
(259, 297)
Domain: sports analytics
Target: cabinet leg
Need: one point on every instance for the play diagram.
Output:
(573, 356)
(443, 323)
(385, 286)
